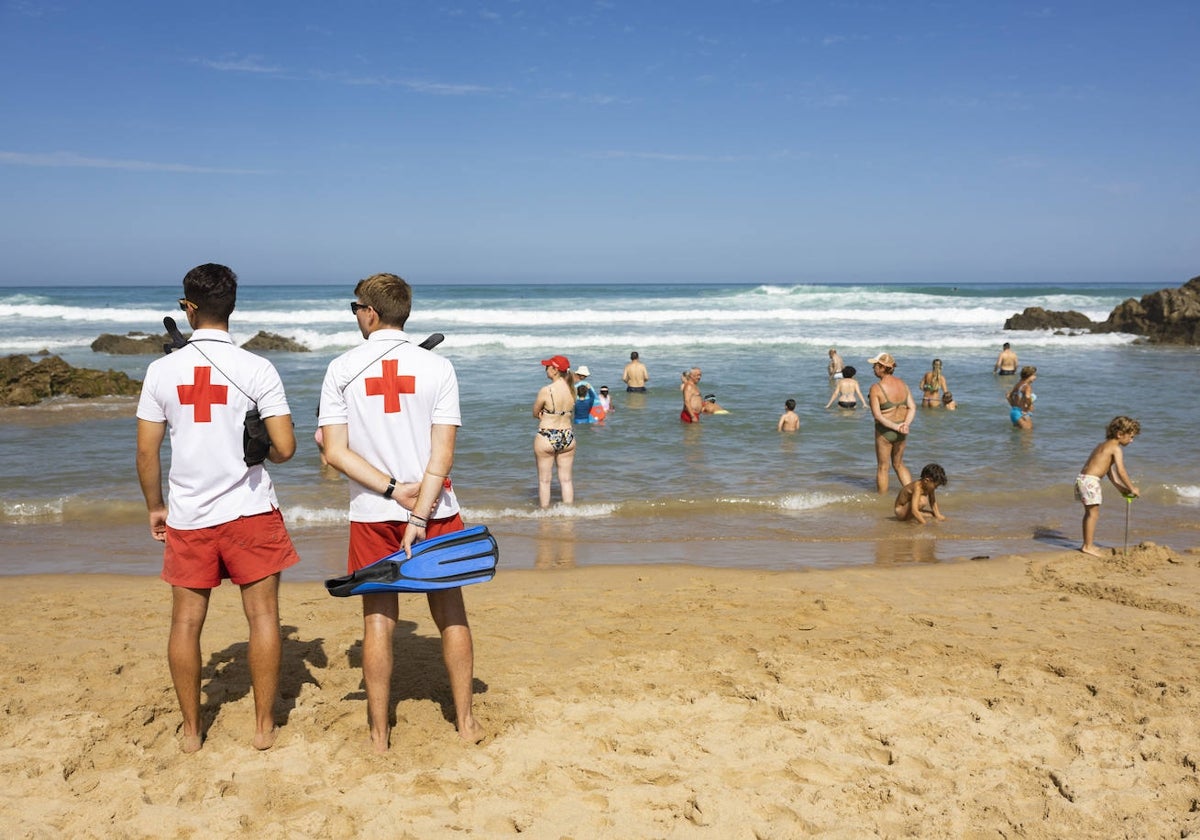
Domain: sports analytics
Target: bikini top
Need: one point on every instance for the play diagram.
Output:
(884, 406)
(551, 409)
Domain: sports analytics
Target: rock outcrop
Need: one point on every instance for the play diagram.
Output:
(140, 343)
(268, 342)
(1036, 318)
(25, 382)
(131, 344)
(1168, 316)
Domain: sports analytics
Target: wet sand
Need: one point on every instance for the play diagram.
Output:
(1042, 695)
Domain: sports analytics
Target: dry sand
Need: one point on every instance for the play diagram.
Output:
(1043, 696)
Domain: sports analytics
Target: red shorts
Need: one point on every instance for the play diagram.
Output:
(245, 550)
(686, 416)
(371, 541)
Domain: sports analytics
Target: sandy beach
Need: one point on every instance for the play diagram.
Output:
(1045, 695)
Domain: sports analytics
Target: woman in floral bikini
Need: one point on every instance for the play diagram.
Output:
(554, 443)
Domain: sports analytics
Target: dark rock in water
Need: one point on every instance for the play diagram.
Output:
(1036, 318)
(268, 342)
(1168, 316)
(132, 344)
(24, 382)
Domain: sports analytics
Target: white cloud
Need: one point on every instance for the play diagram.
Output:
(245, 64)
(671, 157)
(73, 160)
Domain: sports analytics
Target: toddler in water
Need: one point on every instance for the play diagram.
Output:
(918, 498)
(1106, 458)
(789, 421)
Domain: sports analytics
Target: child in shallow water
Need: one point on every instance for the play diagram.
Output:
(1106, 459)
(789, 421)
(919, 497)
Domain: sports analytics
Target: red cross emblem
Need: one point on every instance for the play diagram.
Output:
(390, 386)
(202, 395)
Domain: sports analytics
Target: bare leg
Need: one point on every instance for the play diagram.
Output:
(450, 615)
(902, 472)
(883, 455)
(188, 610)
(543, 454)
(260, 601)
(379, 624)
(566, 477)
(1091, 514)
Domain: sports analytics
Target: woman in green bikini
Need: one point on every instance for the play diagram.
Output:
(893, 408)
(933, 383)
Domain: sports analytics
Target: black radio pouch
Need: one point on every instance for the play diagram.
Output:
(256, 442)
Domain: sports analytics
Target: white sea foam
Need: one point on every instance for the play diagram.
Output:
(812, 501)
(591, 511)
(300, 516)
(43, 511)
(1188, 494)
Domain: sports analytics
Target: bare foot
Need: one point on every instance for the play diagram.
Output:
(190, 743)
(265, 740)
(471, 732)
(381, 741)
(1092, 550)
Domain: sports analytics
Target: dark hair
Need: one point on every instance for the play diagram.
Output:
(390, 296)
(789, 404)
(934, 473)
(848, 372)
(633, 356)
(213, 288)
(581, 390)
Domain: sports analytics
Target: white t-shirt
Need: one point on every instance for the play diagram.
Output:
(209, 483)
(390, 393)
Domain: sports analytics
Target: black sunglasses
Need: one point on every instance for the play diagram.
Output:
(355, 306)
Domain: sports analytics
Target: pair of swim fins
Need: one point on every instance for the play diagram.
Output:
(451, 560)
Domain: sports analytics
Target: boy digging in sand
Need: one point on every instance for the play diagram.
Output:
(918, 498)
(1107, 458)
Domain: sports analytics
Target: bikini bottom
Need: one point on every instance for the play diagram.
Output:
(890, 435)
(560, 439)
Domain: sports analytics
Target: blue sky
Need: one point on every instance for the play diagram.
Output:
(508, 140)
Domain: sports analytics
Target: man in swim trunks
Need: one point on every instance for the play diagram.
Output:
(635, 376)
(1106, 459)
(390, 415)
(693, 403)
(223, 520)
(1006, 362)
(835, 364)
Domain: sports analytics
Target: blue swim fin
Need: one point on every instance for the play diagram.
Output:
(457, 559)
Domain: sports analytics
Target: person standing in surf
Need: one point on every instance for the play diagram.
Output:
(693, 402)
(390, 417)
(893, 409)
(223, 518)
(1006, 362)
(635, 375)
(554, 442)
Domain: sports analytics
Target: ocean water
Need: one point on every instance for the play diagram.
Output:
(730, 491)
